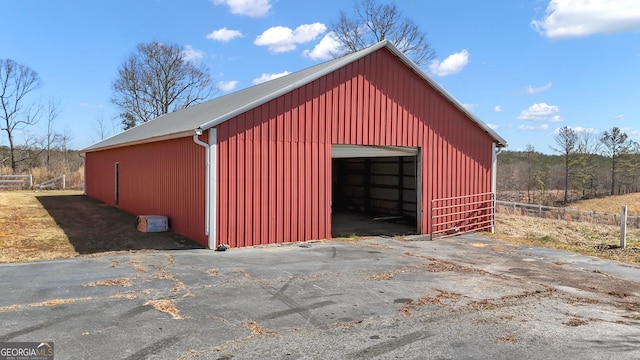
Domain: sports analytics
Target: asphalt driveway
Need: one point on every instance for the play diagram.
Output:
(465, 297)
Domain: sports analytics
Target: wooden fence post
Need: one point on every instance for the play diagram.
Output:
(623, 227)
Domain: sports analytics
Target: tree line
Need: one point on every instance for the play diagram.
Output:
(584, 165)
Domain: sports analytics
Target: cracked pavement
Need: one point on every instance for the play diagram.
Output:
(464, 297)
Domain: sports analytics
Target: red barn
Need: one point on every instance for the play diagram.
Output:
(367, 133)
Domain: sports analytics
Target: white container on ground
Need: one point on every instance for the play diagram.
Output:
(152, 223)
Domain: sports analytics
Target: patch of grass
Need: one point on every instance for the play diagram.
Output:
(28, 231)
(583, 238)
(55, 224)
(611, 204)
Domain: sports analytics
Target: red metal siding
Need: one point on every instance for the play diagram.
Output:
(274, 161)
(161, 178)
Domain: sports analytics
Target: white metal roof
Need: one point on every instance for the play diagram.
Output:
(213, 112)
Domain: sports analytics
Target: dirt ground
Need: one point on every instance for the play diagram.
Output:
(61, 224)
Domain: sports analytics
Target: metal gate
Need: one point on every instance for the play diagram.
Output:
(462, 214)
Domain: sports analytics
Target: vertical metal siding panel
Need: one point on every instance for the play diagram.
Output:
(366, 99)
(353, 105)
(294, 162)
(272, 166)
(380, 99)
(328, 189)
(346, 103)
(388, 114)
(287, 218)
(233, 182)
(223, 194)
(394, 105)
(358, 104)
(401, 118)
(248, 161)
(279, 161)
(426, 129)
(301, 191)
(335, 108)
(301, 163)
(324, 176)
(241, 181)
(256, 180)
(340, 105)
(264, 170)
(321, 115)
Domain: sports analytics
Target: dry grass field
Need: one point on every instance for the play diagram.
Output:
(583, 238)
(27, 232)
(611, 204)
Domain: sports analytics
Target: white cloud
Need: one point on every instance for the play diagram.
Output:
(191, 54)
(530, 127)
(91, 106)
(534, 90)
(498, 108)
(619, 117)
(470, 107)
(325, 49)
(267, 77)
(493, 126)
(282, 39)
(224, 35)
(540, 112)
(451, 65)
(227, 85)
(572, 18)
(251, 8)
(308, 32)
(580, 129)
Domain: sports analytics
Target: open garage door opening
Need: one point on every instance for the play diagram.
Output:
(374, 190)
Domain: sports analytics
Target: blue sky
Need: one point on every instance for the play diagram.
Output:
(525, 67)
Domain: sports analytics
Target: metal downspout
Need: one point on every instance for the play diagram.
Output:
(197, 140)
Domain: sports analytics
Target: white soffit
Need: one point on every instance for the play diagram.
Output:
(365, 151)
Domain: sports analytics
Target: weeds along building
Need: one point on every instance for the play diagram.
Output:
(367, 133)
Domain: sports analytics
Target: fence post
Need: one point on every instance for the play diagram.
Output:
(30, 181)
(64, 182)
(623, 227)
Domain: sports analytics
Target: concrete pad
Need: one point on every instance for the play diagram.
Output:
(463, 297)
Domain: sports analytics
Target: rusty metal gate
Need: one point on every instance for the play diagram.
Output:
(462, 214)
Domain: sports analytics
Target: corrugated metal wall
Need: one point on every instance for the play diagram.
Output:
(274, 162)
(160, 178)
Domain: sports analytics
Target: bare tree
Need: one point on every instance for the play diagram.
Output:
(615, 144)
(156, 80)
(17, 81)
(103, 128)
(567, 140)
(373, 22)
(588, 147)
(51, 137)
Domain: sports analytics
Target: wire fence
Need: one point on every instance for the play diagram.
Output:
(560, 213)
